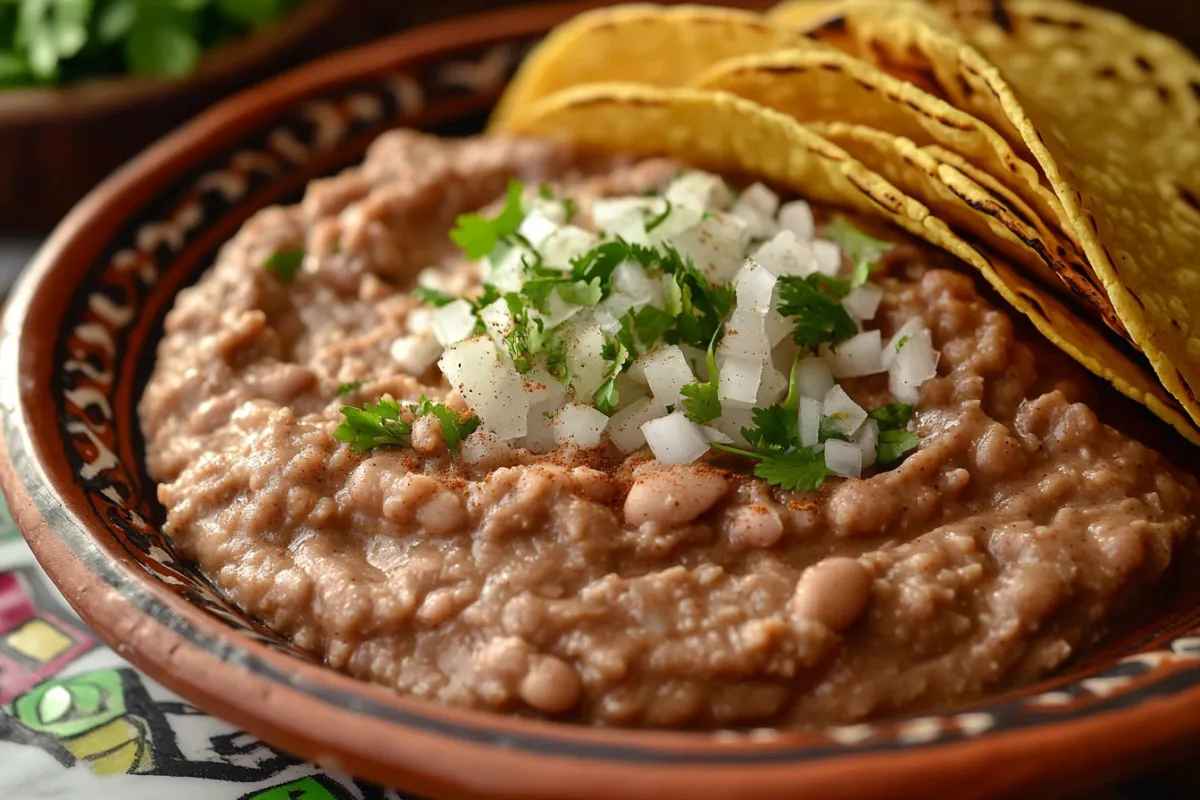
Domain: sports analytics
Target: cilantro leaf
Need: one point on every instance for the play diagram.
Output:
(828, 429)
(701, 402)
(479, 236)
(651, 323)
(582, 293)
(374, 425)
(539, 290)
(570, 209)
(349, 387)
(893, 415)
(618, 355)
(528, 336)
(433, 297)
(819, 319)
(556, 360)
(864, 251)
(799, 471)
(894, 445)
(777, 429)
(284, 264)
(455, 427)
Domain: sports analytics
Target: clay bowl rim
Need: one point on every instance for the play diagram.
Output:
(32, 104)
(349, 725)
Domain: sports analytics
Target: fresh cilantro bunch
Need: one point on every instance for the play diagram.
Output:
(59, 41)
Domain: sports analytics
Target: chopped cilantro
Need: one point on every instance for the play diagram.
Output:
(864, 251)
(651, 323)
(479, 236)
(455, 427)
(539, 290)
(570, 209)
(618, 355)
(653, 222)
(819, 319)
(828, 429)
(894, 445)
(894, 415)
(582, 293)
(349, 387)
(374, 425)
(556, 360)
(433, 297)
(528, 336)
(284, 264)
(701, 403)
(903, 341)
(778, 429)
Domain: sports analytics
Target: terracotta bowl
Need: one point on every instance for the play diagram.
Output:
(79, 337)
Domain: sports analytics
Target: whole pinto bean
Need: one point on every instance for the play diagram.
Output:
(833, 592)
(674, 496)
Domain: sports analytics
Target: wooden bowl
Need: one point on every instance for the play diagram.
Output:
(57, 143)
(79, 337)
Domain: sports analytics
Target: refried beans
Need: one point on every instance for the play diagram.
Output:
(613, 590)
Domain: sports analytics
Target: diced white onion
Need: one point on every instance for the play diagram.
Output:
(715, 436)
(700, 190)
(492, 388)
(916, 362)
(913, 327)
(787, 255)
(558, 311)
(548, 208)
(585, 357)
(680, 219)
(733, 420)
(453, 322)
(778, 328)
(579, 425)
(811, 412)
(630, 390)
(843, 458)
(863, 302)
(757, 207)
(507, 275)
(537, 229)
(539, 434)
(739, 382)
(717, 246)
(616, 305)
(624, 217)
(829, 257)
(842, 413)
(565, 244)
(867, 442)
(667, 372)
(675, 439)
(761, 199)
(625, 427)
(415, 354)
(630, 279)
(856, 357)
(813, 378)
(544, 390)
(772, 387)
(485, 449)
(754, 287)
(797, 217)
(498, 319)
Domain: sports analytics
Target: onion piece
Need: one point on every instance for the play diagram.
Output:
(580, 426)
(772, 387)
(863, 302)
(715, 435)
(630, 279)
(624, 217)
(733, 420)
(757, 207)
(843, 459)
(842, 413)
(778, 328)
(813, 378)
(867, 441)
(415, 354)
(667, 372)
(700, 190)
(565, 244)
(420, 320)
(716, 245)
(497, 318)
(537, 229)
(625, 427)
(492, 388)
(914, 326)
(856, 357)
(787, 255)
(484, 449)
(678, 220)
(739, 381)
(675, 439)
(754, 288)
(453, 322)
(916, 362)
(829, 257)
(810, 415)
(507, 274)
(797, 217)
(585, 358)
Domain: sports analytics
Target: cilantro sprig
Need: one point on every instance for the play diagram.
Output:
(382, 424)
(285, 264)
(818, 317)
(701, 403)
(479, 236)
